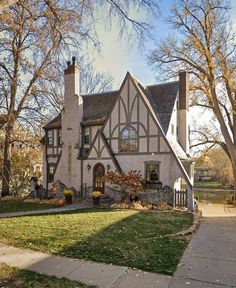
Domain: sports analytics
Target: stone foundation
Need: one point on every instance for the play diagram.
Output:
(164, 195)
(60, 191)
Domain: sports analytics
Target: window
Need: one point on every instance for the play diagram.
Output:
(50, 141)
(128, 140)
(152, 173)
(86, 135)
(59, 137)
(51, 172)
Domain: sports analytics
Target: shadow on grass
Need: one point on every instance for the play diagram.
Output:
(136, 241)
(122, 237)
(13, 277)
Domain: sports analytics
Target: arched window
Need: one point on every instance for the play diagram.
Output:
(128, 140)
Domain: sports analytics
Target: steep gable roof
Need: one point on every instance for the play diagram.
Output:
(97, 107)
(164, 97)
(54, 123)
(102, 137)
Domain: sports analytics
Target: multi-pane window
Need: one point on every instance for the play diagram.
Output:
(59, 137)
(49, 138)
(152, 173)
(51, 172)
(128, 140)
(86, 135)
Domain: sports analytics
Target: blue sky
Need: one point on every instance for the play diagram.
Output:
(117, 56)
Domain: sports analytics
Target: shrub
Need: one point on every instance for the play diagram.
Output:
(68, 192)
(128, 184)
(96, 194)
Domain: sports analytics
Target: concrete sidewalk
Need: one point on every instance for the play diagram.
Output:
(75, 206)
(88, 272)
(217, 210)
(210, 260)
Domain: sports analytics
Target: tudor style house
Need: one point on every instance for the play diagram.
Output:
(136, 127)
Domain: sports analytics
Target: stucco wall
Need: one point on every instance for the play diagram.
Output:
(174, 122)
(68, 170)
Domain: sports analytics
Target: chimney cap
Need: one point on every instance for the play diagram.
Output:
(73, 60)
(181, 71)
(68, 63)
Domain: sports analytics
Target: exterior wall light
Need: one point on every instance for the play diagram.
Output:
(108, 167)
(88, 167)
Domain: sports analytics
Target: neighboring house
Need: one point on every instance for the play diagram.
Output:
(136, 127)
(206, 173)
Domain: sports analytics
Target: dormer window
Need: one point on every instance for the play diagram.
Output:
(49, 138)
(86, 135)
(128, 140)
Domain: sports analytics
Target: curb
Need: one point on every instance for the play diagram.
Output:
(190, 231)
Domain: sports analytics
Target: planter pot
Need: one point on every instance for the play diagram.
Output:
(96, 201)
(68, 200)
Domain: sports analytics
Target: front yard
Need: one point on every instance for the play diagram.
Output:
(19, 205)
(123, 237)
(13, 277)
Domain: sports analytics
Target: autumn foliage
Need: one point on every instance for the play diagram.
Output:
(128, 184)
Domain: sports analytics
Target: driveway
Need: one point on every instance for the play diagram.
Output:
(210, 260)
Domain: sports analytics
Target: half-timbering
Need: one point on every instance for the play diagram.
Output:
(136, 127)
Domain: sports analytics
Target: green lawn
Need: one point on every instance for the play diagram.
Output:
(208, 184)
(213, 196)
(19, 205)
(13, 277)
(122, 237)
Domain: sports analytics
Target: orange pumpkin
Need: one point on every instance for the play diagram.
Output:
(61, 202)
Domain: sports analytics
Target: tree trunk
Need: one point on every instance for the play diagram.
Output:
(234, 175)
(6, 171)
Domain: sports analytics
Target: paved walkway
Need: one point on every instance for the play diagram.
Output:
(210, 260)
(74, 206)
(102, 275)
(217, 210)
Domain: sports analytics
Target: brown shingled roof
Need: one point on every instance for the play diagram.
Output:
(98, 106)
(164, 97)
(54, 123)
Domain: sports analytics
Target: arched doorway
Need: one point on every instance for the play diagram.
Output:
(98, 181)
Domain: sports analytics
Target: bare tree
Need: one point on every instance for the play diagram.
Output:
(6, 3)
(204, 46)
(35, 38)
(94, 82)
(52, 93)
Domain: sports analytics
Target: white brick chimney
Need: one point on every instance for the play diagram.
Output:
(69, 167)
(183, 111)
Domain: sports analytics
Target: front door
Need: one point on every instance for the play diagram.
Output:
(98, 181)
